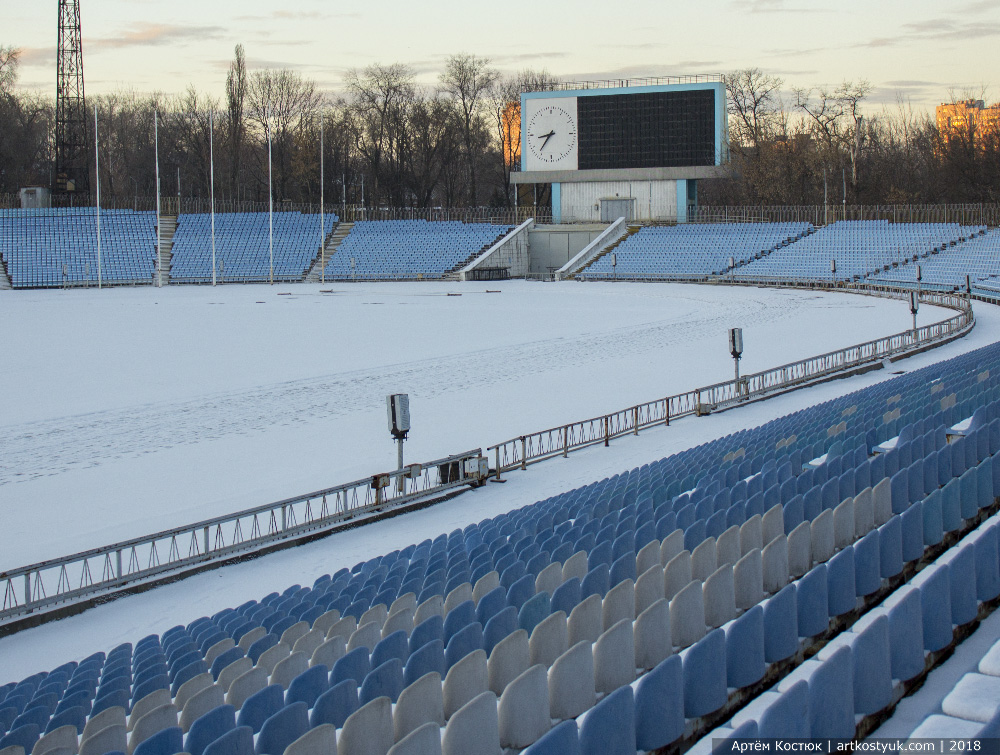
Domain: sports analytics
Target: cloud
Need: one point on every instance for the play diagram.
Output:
(771, 6)
(38, 56)
(295, 15)
(982, 6)
(527, 57)
(153, 35)
(937, 30)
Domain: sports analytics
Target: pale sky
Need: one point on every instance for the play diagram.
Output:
(921, 50)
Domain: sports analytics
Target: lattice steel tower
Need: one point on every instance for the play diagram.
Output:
(72, 124)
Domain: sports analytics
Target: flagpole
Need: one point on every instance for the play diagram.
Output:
(322, 225)
(159, 217)
(211, 158)
(97, 168)
(270, 204)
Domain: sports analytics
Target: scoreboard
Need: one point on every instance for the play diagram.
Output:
(669, 126)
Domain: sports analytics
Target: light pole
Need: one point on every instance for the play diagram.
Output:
(211, 159)
(270, 202)
(322, 226)
(97, 207)
(736, 349)
(914, 306)
(159, 215)
(398, 409)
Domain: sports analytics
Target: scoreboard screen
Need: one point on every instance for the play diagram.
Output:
(650, 127)
(655, 130)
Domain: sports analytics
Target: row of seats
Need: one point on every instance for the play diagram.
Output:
(635, 575)
(860, 671)
(694, 250)
(978, 258)
(409, 249)
(243, 246)
(59, 247)
(859, 248)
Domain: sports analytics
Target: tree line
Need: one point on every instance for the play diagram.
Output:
(387, 141)
(390, 142)
(830, 145)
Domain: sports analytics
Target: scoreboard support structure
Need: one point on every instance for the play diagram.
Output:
(611, 151)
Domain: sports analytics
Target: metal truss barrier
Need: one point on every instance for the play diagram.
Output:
(54, 584)
(559, 441)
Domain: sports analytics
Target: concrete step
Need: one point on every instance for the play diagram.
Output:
(337, 235)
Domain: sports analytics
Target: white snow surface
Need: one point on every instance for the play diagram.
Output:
(131, 410)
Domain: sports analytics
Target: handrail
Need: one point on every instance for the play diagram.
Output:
(98, 571)
(559, 441)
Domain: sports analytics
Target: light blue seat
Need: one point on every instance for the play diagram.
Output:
(167, 741)
(260, 706)
(906, 636)
(385, 680)
(336, 704)
(788, 716)
(207, 728)
(609, 728)
(308, 686)
(705, 675)
(745, 663)
(282, 728)
(872, 658)
(355, 665)
(935, 601)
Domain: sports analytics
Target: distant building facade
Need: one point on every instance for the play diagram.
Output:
(967, 116)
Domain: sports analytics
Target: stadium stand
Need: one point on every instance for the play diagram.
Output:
(695, 250)
(242, 248)
(58, 247)
(859, 247)
(627, 610)
(409, 249)
(978, 257)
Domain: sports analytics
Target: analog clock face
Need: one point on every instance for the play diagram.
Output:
(551, 134)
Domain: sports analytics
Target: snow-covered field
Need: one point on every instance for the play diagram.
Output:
(129, 410)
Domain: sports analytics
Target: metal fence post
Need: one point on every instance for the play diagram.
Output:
(206, 540)
(565, 441)
(524, 453)
(635, 419)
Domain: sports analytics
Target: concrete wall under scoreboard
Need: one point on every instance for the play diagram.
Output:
(552, 246)
(580, 202)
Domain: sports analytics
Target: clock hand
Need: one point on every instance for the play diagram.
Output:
(546, 137)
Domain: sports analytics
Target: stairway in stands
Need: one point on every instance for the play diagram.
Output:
(629, 231)
(453, 274)
(4, 278)
(337, 235)
(168, 228)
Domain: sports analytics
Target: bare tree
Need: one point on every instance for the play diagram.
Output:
(381, 97)
(755, 105)
(236, 91)
(468, 79)
(9, 60)
(505, 109)
(284, 105)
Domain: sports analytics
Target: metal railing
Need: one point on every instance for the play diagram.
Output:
(819, 215)
(638, 81)
(58, 582)
(559, 441)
